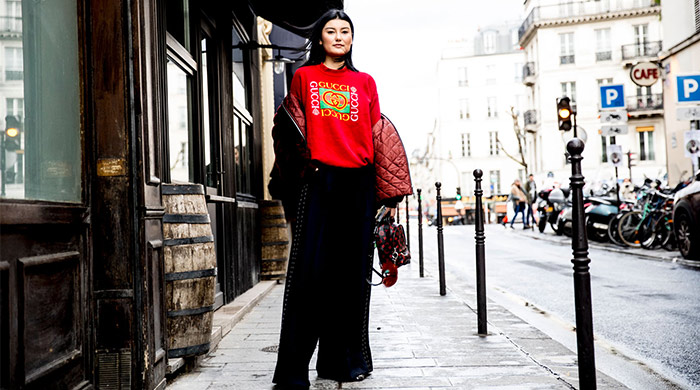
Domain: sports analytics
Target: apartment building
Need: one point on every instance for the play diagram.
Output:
(572, 48)
(480, 80)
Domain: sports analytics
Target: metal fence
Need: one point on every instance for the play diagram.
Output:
(638, 50)
(645, 102)
(603, 56)
(528, 69)
(10, 24)
(530, 117)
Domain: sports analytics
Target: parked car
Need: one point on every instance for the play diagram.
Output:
(686, 219)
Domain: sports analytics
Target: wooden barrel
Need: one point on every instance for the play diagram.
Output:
(275, 241)
(190, 269)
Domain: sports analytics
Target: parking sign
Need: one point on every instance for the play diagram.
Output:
(612, 96)
(688, 87)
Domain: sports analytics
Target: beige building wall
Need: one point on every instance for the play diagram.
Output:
(267, 102)
(682, 62)
(681, 56)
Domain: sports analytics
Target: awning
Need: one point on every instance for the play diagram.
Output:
(295, 16)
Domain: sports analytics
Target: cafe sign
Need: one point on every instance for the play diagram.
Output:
(645, 74)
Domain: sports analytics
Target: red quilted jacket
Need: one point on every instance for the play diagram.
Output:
(292, 157)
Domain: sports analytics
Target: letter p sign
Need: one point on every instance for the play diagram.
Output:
(688, 88)
(612, 96)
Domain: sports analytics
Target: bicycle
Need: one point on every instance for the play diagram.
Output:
(637, 228)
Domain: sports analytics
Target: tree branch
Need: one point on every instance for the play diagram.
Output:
(500, 146)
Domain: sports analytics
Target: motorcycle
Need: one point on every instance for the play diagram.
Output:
(550, 205)
(598, 213)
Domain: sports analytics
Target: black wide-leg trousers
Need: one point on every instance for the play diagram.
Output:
(326, 298)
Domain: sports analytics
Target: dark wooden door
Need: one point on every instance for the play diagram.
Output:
(46, 325)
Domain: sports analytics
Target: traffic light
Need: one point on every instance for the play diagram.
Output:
(564, 113)
(12, 130)
(459, 193)
(631, 159)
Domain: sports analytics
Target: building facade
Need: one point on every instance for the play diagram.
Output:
(480, 82)
(573, 48)
(103, 103)
(681, 56)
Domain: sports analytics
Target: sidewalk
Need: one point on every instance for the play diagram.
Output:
(419, 339)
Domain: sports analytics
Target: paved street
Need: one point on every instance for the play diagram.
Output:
(643, 309)
(419, 340)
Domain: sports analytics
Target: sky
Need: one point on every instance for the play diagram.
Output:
(398, 42)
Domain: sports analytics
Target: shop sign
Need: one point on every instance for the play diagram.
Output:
(645, 74)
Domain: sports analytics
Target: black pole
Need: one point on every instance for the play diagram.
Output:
(408, 229)
(2, 164)
(420, 233)
(441, 249)
(617, 185)
(480, 255)
(582, 278)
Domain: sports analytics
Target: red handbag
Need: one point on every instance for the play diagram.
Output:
(390, 240)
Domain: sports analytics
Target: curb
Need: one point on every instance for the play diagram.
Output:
(225, 318)
(650, 256)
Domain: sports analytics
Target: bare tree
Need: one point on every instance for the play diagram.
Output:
(520, 137)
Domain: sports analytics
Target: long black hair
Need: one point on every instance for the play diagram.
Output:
(316, 53)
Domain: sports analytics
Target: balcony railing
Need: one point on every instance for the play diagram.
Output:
(14, 75)
(530, 117)
(640, 50)
(563, 60)
(10, 24)
(645, 102)
(580, 9)
(528, 70)
(603, 56)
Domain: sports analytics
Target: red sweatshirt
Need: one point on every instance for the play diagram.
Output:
(341, 106)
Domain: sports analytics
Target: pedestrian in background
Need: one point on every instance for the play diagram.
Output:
(519, 199)
(627, 190)
(337, 159)
(531, 193)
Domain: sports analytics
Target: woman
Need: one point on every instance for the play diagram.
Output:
(336, 160)
(519, 201)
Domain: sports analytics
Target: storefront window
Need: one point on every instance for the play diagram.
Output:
(180, 124)
(178, 20)
(40, 143)
(239, 61)
(206, 126)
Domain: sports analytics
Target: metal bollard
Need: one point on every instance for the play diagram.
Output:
(480, 255)
(582, 278)
(420, 234)
(408, 230)
(441, 249)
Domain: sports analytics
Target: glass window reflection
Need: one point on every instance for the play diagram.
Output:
(40, 142)
(179, 125)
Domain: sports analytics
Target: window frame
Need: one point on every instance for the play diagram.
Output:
(566, 49)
